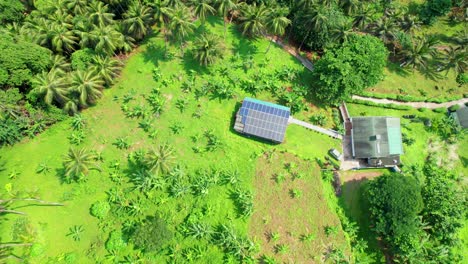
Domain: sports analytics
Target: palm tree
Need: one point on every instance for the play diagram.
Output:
(202, 8)
(137, 19)
(181, 25)
(162, 15)
(342, 31)
(106, 39)
(362, 17)
(107, 68)
(276, 23)
(61, 39)
(408, 23)
(60, 63)
(77, 7)
(253, 20)
(87, 85)
(385, 29)
(350, 6)
(71, 107)
(98, 14)
(224, 7)
(208, 48)
(421, 53)
(161, 159)
(51, 86)
(78, 163)
(455, 58)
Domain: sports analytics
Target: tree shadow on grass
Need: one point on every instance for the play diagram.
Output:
(214, 20)
(190, 64)
(395, 68)
(244, 46)
(356, 210)
(154, 53)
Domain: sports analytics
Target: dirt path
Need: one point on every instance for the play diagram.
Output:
(309, 65)
(412, 104)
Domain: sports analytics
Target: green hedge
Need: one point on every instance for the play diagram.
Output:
(410, 98)
(388, 106)
(440, 110)
(454, 108)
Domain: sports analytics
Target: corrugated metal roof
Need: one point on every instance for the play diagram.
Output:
(376, 137)
(462, 117)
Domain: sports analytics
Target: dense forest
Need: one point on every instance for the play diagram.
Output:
(58, 57)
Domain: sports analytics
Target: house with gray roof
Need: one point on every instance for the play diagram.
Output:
(376, 139)
(461, 117)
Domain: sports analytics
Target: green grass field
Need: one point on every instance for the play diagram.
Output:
(291, 211)
(47, 227)
(406, 81)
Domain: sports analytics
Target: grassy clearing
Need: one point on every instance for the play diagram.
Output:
(107, 123)
(350, 201)
(291, 210)
(403, 81)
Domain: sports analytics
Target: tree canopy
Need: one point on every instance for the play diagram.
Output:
(394, 204)
(355, 65)
(152, 235)
(20, 61)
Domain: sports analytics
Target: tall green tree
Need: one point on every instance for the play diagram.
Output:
(137, 20)
(99, 14)
(276, 23)
(444, 205)
(87, 85)
(394, 202)
(181, 25)
(78, 163)
(454, 58)
(51, 86)
(202, 8)
(208, 48)
(11, 11)
(106, 68)
(253, 20)
(160, 159)
(20, 61)
(224, 7)
(421, 53)
(355, 65)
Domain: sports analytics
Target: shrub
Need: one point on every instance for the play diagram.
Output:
(100, 209)
(152, 234)
(82, 59)
(423, 109)
(454, 108)
(440, 110)
(115, 241)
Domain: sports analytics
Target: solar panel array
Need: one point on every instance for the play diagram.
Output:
(264, 120)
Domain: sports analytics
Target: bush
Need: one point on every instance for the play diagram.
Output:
(454, 108)
(152, 235)
(82, 59)
(115, 241)
(440, 110)
(462, 78)
(423, 109)
(100, 209)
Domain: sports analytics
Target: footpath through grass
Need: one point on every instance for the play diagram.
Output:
(183, 124)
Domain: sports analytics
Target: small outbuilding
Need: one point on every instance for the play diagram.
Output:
(262, 119)
(377, 139)
(461, 117)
